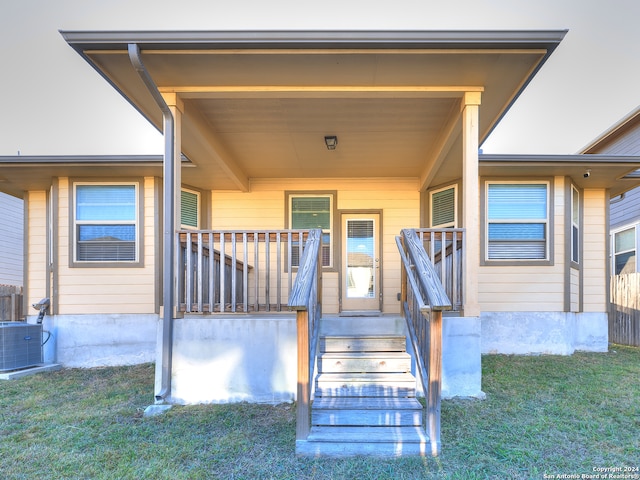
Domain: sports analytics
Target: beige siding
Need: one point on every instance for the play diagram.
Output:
(106, 290)
(574, 285)
(595, 231)
(529, 288)
(264, 208)
(36, 206)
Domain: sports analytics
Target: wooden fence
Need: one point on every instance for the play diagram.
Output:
(11, 309)
(624, 311)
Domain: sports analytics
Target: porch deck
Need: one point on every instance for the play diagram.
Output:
(216, 275)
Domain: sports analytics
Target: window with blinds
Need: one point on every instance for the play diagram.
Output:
(106, 222)
(190, 209)
(444, 207)
(517, 221)
(309, 212)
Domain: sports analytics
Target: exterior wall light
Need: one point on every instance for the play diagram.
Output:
(331, 141)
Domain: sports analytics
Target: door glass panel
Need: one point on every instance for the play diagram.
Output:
(360, 259)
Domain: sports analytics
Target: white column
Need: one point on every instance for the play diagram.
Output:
(471, 201)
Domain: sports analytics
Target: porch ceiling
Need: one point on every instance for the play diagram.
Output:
(258, 104)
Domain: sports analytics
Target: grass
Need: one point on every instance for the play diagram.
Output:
(543, 416)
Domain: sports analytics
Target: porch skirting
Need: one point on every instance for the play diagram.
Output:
(534, 333)
(234, 358)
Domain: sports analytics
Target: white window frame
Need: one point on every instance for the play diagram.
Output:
(517, 260)
(453, 224)
(329, 231)
(77, 223)
(198, 209)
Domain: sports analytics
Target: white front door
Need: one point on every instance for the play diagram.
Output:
(360, 272)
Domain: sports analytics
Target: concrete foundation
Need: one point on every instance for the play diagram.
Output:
(86, 341)
(535, 333)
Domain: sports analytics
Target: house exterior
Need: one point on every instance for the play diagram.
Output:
(358, 134)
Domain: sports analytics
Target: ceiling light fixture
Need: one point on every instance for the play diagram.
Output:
(331, 141)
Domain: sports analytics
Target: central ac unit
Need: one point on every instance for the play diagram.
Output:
(20, 345)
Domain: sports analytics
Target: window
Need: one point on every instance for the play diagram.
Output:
(190, 209)
(106, 222)
(624, 251)
(575, 225)
(444, 207)
(517, 221)
(308, 212)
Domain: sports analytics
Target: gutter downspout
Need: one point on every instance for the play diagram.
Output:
(617, 199)
(168, 225)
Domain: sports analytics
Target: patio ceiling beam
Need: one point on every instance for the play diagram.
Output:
(320, 91)
(451, 130)
(201, 132)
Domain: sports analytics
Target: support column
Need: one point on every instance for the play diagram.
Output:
(176, 106)
(471, 201)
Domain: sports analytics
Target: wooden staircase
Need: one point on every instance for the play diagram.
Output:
(365, 399)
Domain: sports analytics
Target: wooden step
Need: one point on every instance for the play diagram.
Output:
(365, 384)
(364, 402)
(362, 362)
(378, 441)
(364, 411)
(369, 343)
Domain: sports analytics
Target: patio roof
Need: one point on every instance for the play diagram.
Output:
(258, 104)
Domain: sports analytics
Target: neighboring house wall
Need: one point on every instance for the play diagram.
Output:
(11, 240)
(624, 213)
(627, 210)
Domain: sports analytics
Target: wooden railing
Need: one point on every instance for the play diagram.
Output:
(306, 300)
(444, 246)
(423, 299)
(237, 271)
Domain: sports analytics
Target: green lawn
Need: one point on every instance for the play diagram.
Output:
(544, 416)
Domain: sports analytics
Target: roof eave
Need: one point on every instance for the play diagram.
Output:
(337, 39)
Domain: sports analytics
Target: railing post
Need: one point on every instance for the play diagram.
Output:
(435, 381)
(303, 420)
